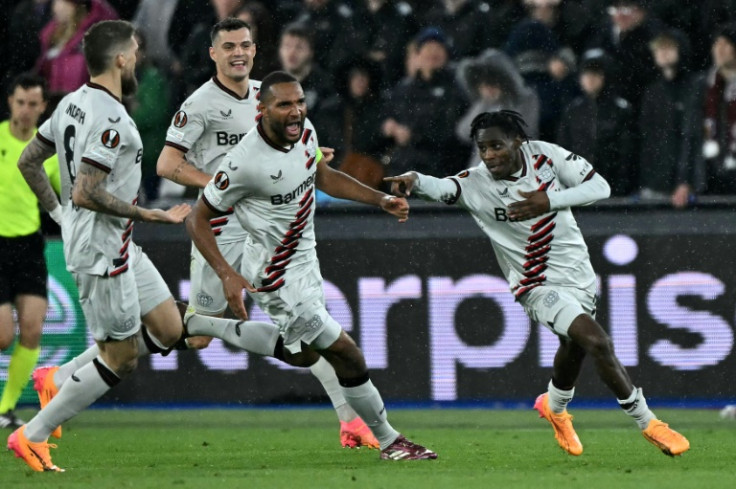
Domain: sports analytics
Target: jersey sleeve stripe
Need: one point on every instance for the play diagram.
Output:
(96, 164)
(589, 175)
(44, 140)
(176, 146)
(212, 206)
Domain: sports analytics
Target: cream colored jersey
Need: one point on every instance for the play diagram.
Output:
(547, 250)
(90, 126)
(208, 125)
(272, 190)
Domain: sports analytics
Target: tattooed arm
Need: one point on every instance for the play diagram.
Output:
(89, 192)
(30, 165)
(173, 166)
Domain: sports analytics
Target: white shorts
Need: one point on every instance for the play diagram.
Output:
(298, 309)
(557, 307)
(113, 306)
(206, 294)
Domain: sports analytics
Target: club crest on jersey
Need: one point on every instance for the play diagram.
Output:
(110, 138)
(180, 119)
(222, 181)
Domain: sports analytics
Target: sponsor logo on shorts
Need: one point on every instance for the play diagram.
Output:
(551, 299)
(204, 300)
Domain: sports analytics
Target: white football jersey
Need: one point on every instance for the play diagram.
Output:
(208, 125)
(91, 126)
(272, 190)
(547, 250)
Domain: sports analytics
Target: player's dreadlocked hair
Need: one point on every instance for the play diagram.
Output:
(509, 121)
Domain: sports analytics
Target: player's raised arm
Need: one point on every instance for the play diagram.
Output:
(427, 187)
(89, 192)
(173, 166)
(200, 231)
(30, 165)
(343, 186)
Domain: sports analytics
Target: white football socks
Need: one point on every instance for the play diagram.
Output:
(327, 377)
(636, 407)
(252, 336)
(367, 402)
(558, 398)
(84, 387)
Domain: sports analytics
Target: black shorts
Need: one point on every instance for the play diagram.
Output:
(22, 267)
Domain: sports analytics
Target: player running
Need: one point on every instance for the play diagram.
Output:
(269, 181)
(521, 197)
(210, 123)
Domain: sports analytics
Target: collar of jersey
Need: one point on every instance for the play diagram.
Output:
(521, 173)
(97, 86)
(230, 92)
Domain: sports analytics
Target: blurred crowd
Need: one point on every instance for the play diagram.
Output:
(644, 89)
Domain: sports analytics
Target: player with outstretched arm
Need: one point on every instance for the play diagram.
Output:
(521, 197)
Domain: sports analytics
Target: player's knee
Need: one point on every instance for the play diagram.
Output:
(126, 367)
(30, 337)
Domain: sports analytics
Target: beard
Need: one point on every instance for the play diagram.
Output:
(129, 85)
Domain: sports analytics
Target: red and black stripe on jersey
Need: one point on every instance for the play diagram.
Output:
(287, 248)
(537, 254)
(121, 263)
(218, 223)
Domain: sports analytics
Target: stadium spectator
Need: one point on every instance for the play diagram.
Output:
(23, 44)
(208, 125)
(380, 33)
(278, 214)
(711, 129)
(350, 122)
(153, 19)
(532, 46)
(423, 111)
(625, 38)
(568, 20)
(599, 126)
(663, 122)
(149, 108)
(521, 197)
(23, 272)
(465, 23)
(493, 83)
(296, 55)
(61, 61)
(325, 18)
(265, 35)
(94, 136)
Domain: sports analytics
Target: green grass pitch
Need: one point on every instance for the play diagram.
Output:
(298, 448)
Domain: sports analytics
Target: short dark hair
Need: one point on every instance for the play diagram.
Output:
(509, 121)
(27, 81)
(228, 24)
(103, 41)
(298, 29)
(274, 78)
